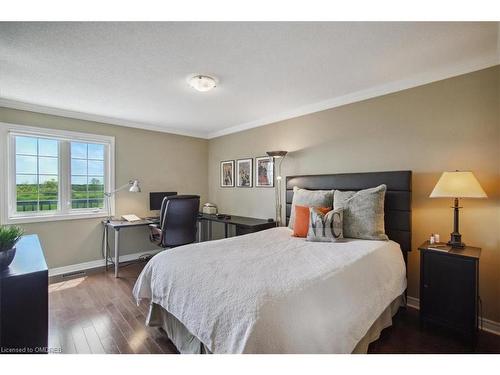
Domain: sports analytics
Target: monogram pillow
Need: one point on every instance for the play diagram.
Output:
(325, 227)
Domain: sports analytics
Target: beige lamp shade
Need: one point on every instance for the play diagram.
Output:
(458, 185)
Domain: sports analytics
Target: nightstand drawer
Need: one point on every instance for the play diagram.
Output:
(448, 290)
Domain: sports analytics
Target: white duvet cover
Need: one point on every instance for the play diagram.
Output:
(269, 292)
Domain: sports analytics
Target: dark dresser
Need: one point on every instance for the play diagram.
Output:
(449, 289)
(24, 300)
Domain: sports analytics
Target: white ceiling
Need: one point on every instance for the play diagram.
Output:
(134, 74)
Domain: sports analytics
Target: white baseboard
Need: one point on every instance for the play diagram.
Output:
(413, 302)
(96, 263)
(488, 325)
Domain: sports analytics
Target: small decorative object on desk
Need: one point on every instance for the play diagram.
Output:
(432, 239)
(209, 208)
(9, 235)
(436, 238)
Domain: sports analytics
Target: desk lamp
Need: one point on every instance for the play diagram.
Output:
(134, 188)
(457, 185)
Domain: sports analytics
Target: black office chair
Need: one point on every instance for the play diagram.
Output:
(178, 218)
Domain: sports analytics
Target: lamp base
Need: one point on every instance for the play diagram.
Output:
(456, 241)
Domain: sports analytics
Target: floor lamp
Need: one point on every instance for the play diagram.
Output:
(278, 156)
(134, 188)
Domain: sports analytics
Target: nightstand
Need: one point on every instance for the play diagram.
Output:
(449, 282)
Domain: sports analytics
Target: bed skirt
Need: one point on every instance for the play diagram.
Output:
(187, 343)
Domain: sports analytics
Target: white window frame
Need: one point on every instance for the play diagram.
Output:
(65, 212)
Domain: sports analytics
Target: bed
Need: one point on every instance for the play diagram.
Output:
(269, 292)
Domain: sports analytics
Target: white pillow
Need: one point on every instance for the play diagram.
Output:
(309, 198)
(363, 212)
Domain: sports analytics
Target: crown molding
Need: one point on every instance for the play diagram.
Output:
(14, 104)
(389, 88)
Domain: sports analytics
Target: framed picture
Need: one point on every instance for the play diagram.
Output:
(264, 171)
(227, 173)
(244, 172)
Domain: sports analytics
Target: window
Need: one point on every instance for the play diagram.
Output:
(54, 175)
(87, 175)
(37, 174)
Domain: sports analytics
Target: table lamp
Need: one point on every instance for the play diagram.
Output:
(457, 185)
(134, 188)
(279, 155)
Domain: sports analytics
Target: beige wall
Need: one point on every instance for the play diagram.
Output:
(446, 125)
(162, 162)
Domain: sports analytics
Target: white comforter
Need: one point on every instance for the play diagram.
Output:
(269, 292)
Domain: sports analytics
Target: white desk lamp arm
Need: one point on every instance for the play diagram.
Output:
(108, 196)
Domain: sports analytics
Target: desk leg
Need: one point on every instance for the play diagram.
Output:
(210, 230)
(105, 244)
(226, 230)
(117, 250)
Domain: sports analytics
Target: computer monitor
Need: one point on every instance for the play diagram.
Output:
(155, 199)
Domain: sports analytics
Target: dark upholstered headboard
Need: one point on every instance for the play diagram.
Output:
(397, 198)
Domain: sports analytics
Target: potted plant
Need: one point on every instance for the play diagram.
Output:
(9, 235)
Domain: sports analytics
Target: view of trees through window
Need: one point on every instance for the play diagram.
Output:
(37, 162)
(87, 175)
(37, 174)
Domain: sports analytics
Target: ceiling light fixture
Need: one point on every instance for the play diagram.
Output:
(202, 83)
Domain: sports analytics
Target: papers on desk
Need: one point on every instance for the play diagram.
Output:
(131, 217)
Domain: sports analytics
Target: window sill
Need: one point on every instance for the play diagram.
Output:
(55, 217)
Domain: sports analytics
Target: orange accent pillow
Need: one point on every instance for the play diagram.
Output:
(301, 225)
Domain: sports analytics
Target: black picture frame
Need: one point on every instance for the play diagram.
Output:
(244, 178)
(227, 177)
(270, 175)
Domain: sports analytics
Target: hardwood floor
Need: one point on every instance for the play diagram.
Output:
(406, 337)
(97, 314)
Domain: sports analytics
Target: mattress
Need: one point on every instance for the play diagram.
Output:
(269, 292)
